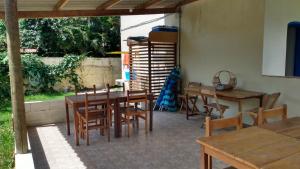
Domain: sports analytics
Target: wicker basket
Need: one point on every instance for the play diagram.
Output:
(218, 84)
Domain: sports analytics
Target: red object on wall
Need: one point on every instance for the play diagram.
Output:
(126, 59)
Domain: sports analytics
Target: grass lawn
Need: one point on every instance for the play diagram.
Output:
(6, 133)
(6, 139)
(48, 96)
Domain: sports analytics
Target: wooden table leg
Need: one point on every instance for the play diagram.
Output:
(240, 106)
(203, 159)
(117, 119)
(151, 112)
(67, 118)
(75, 125)
(187, 106)
(205, 102)
(261, 98)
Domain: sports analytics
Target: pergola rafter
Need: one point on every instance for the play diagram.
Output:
(108, 4)
(60, 4)
(148, 4)
(184, 2)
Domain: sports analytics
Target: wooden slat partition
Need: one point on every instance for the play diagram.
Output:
(151, 62)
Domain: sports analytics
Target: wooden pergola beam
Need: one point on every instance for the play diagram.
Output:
(16, 76)
(108, 4)
(78, 13)
(147, 4)
(60, 4)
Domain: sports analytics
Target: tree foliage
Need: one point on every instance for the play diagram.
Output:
(4, 80)
(60, 36)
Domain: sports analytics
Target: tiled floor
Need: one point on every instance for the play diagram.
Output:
(171, 145)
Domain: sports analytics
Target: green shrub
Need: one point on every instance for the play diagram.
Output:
(39, 77)
(67, 70)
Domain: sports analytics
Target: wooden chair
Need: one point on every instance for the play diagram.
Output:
(95, 115)
(211, 125)
(122, 104)
(191, 99)
(269, 102)
(215, 105)
(277, 112)
(133, 112)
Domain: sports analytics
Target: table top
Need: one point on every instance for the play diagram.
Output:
(254, 146)
(235, 93)
(289, 127)
(292, 162)
(112, 96)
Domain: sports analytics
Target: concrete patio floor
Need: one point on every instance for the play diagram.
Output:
(170, 146)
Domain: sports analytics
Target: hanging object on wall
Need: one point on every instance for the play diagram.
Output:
(220, 86)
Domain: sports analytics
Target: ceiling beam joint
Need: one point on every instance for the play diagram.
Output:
(147, 4)
(108, 4)
(60, 4)
(183, 2)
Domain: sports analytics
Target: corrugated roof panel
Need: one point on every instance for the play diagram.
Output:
(128, 4)
(83, 4)
(36, 5)
(165, 3)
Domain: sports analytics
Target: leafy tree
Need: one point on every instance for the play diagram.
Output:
(2, 37)
(57, 37)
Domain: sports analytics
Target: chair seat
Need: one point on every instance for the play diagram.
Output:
(182, 96)
(215, 106)
(253, 114)
(93, 114)
(255, 110)
(132, 111)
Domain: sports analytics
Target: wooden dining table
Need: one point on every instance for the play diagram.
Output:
(116, 98)
(271, 146)
(234, 95)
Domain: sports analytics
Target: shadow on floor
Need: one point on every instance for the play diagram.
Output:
(171, 145)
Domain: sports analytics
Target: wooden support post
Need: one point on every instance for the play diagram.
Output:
(150, 66)
(16, 76)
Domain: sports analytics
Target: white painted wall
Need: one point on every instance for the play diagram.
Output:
(278, 14)
(218, 34)
(127, 21)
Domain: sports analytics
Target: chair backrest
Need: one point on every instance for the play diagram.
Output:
(194, 84)
(211, 125)
(215, 97)
(277, 112)
(269, 100)
(136, 96)
(216, 100)
(86, 90)
(99, 100)
(122, 87)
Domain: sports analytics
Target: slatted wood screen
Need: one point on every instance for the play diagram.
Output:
(150, 65)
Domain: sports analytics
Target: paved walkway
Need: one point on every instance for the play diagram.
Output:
(170, 146)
